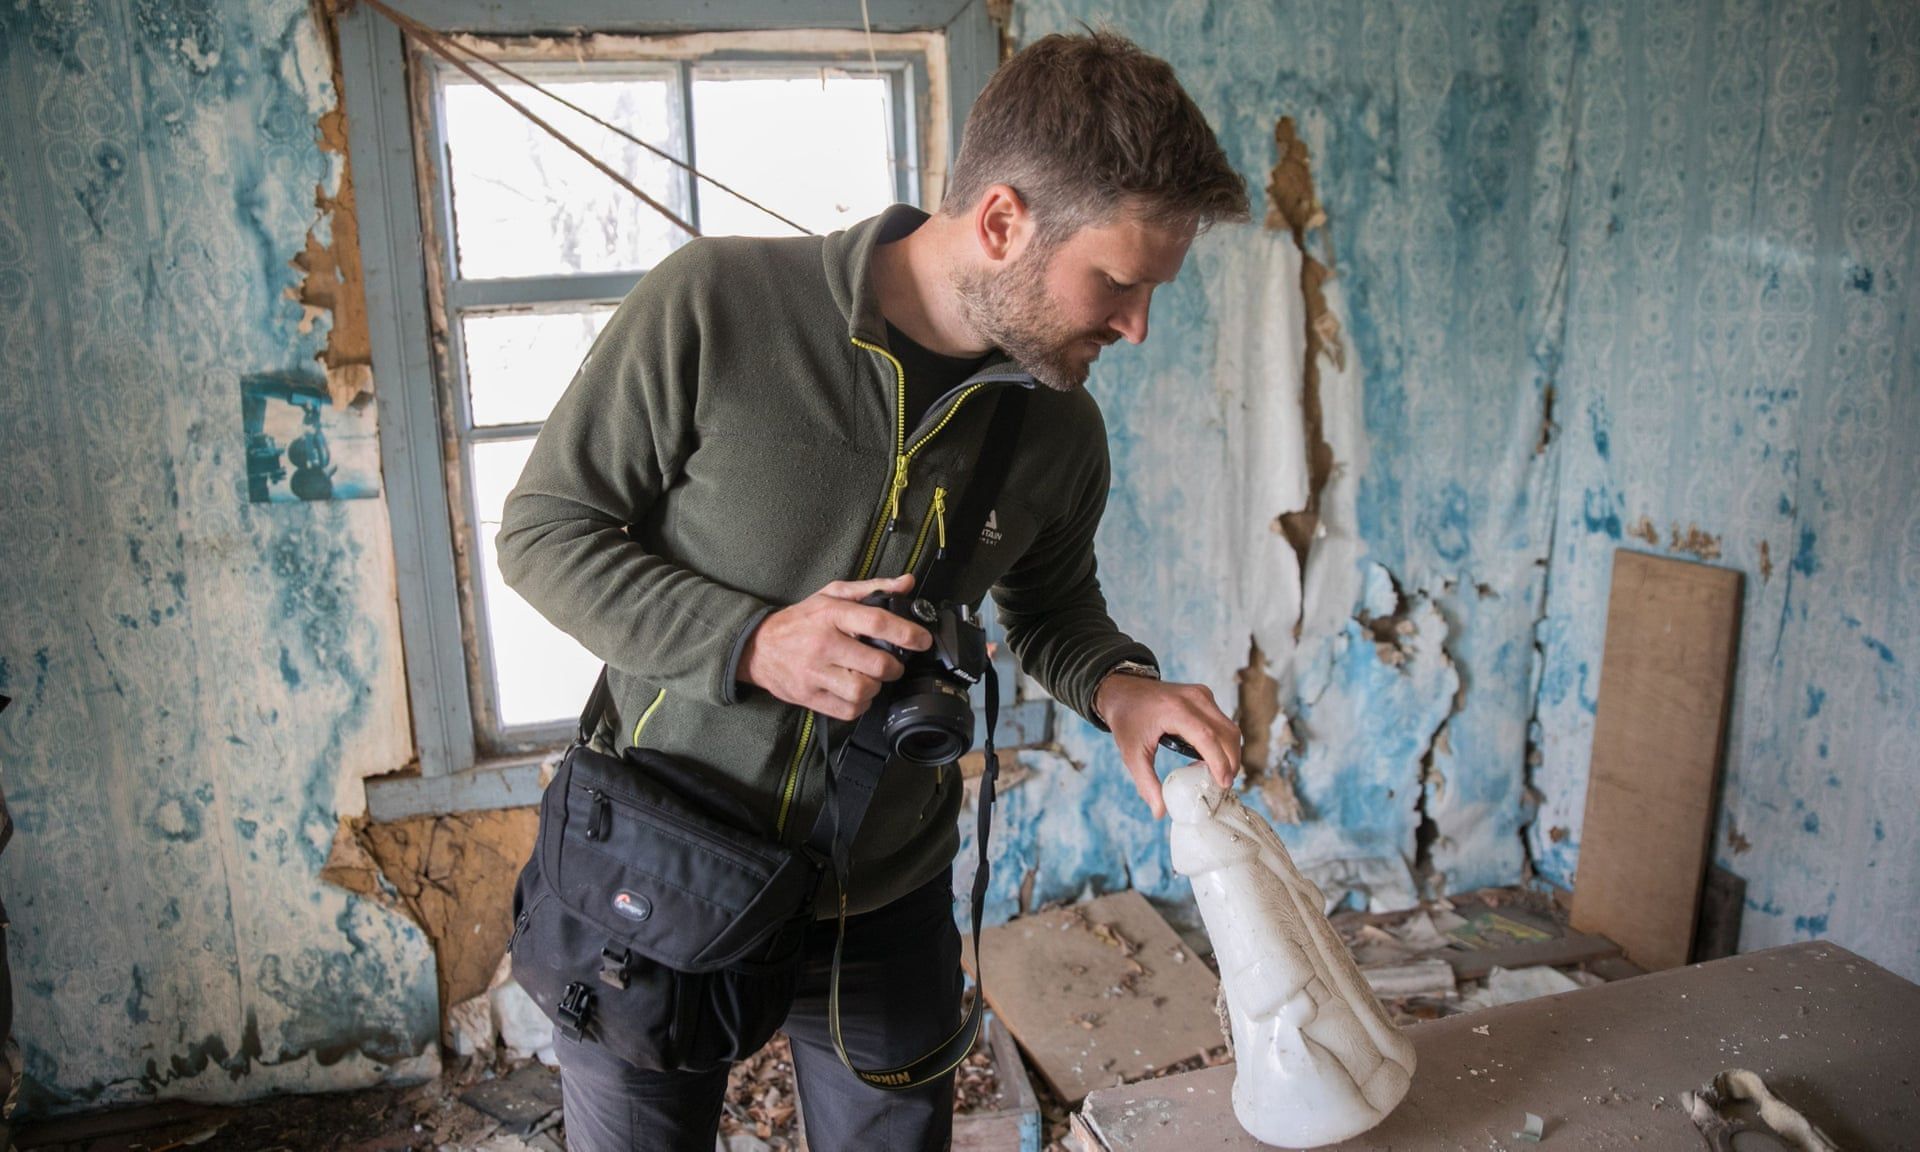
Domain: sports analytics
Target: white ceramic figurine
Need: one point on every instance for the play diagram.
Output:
(1318, 1061)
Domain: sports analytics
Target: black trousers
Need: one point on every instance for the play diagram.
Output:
(900, 986)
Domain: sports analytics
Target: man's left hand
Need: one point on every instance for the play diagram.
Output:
(1140, 710)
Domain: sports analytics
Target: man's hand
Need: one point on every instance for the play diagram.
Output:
(812, 654)
(1140, 710)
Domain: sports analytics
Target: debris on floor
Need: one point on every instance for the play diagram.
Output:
(1506, 986)
(761, 1101)
(428, 1117)
(525, 1101)
(1430, 977)
(1099, 993)
(1500, 944)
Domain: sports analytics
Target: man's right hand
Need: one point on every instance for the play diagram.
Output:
(812, 654)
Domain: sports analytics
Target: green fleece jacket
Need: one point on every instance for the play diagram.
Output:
(734, 442)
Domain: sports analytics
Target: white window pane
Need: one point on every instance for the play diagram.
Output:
(518, 364)
(812, 147)
(526, 205)
(540, 674)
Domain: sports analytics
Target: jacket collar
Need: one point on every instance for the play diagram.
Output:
(848, 256)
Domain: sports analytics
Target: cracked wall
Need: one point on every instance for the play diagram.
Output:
(200, 682)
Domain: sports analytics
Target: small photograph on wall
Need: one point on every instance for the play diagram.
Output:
(301, 447)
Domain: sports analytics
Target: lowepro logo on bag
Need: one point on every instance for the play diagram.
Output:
(632, 905)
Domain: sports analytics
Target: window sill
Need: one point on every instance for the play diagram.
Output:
(504, 782)
(515, 781)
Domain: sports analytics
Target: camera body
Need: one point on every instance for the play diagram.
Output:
(929, 715)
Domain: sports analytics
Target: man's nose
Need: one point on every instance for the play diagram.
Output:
(1131, 321)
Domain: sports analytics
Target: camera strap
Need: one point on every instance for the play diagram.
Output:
(853, 779)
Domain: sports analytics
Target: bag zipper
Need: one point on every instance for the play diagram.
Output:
(721, 846)
(889, 517)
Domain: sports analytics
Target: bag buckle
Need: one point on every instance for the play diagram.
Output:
(576, 1004)
(614, 965)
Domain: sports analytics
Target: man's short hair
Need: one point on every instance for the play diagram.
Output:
(1085, 128)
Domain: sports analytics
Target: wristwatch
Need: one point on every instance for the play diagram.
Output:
(1123, 668)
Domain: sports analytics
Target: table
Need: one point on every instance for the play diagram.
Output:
(1832, 1034)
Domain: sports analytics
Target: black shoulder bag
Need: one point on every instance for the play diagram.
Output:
(656, 924)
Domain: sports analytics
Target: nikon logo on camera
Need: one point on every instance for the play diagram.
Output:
(991, 533)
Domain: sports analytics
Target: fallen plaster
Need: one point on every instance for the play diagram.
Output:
(452, 876)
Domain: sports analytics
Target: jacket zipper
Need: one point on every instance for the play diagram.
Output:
(889, 517)
(937, 515)
(647, 715)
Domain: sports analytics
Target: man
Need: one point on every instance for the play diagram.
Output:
(768, 431)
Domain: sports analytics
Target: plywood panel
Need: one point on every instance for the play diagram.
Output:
(1665, 685)
(1836, 1036)
(1099, 993)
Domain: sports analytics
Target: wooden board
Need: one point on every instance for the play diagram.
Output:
(1666, 681)
(1834, 1035)
(1015, 1125)
(1063, 984)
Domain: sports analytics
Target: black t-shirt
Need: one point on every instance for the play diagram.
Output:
(929, 374)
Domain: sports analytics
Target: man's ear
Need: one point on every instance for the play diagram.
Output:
(1001, 224)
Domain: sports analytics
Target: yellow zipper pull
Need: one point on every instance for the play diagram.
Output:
(940, 520)
(899, 490)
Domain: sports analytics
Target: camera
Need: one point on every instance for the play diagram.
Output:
(928, 715)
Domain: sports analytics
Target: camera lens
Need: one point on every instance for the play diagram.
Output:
(930, 722)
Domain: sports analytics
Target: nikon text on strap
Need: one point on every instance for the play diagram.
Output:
(851, 781)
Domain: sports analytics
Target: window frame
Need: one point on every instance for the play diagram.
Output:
(902, 60)
(423, 454)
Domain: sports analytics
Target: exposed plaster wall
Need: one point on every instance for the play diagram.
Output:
(201, 682)
(453, 875)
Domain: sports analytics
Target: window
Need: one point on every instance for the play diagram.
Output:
(533, 247)
(527, 249)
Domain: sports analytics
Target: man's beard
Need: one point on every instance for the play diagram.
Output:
(1011, 311)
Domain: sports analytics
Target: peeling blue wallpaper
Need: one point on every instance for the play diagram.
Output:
(1742, 381)
(1608, 274)
(200, 682)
